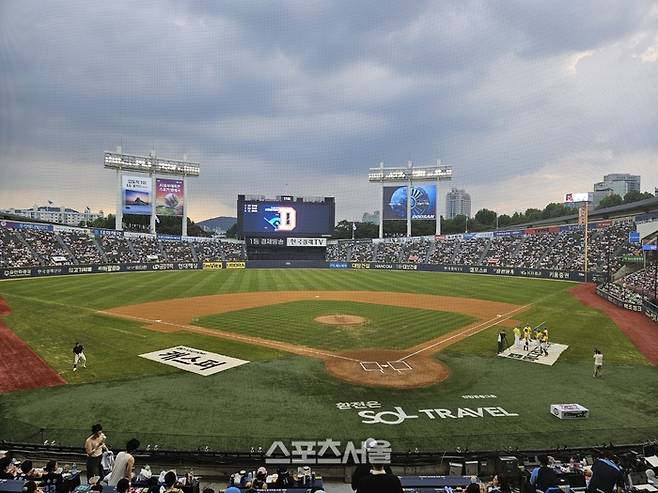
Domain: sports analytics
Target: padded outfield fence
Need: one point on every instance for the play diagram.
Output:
(62, 270)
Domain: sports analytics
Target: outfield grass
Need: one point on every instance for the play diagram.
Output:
(279, 396)
(387, 327)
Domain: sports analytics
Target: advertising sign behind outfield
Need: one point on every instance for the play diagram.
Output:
(136, 191)
(193, 360)
(213, 266)
(169, 197)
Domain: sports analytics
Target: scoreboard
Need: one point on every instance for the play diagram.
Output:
(286, 217)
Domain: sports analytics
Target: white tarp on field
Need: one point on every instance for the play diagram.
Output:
(533, 355)
(194, 360)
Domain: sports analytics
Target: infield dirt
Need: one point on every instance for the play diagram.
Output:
(416, 366)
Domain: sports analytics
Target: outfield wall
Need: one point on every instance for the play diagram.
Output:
(23, 272)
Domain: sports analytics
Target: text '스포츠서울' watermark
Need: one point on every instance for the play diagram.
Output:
(329, 451)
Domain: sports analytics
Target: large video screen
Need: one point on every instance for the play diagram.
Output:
(285, 218)
(423, 202)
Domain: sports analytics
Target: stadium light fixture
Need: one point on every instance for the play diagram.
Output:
(150, 164)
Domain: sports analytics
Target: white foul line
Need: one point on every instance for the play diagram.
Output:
(495, 321)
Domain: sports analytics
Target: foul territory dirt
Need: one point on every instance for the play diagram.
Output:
(410, 368)
(20, 367)
(641, 331)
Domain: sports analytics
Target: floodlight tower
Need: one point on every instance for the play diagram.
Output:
(410, 174)
(152, 166)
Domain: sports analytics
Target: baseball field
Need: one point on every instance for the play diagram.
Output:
(404, 356)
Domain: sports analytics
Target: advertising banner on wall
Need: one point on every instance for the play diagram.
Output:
(136, 194)
(169, 197)
(423, 202)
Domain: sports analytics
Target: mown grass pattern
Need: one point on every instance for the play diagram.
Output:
(387, 327)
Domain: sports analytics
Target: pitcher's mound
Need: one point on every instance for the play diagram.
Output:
(387, 368)
(341, 320)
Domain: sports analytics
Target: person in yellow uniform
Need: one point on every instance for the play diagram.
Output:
(526, 337)
(543, 345)
(517, 337)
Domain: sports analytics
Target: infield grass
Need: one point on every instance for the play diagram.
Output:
(387, 327)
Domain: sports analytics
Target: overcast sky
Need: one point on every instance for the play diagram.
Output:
(526, 100)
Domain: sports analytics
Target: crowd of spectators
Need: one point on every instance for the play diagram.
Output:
(48, 246)
(503, 250)
(546, 250)
(608, 245)
(83, 247)
(362, 251)
(117, 249)
(622, 293)
(444, 251)
(470, 252)
(533, 248)
(642, 281)
(566, 252)
(388, 251)
(178, 251)
(208, 251)
(147, 248)
(415, 251)
(13, 253)
(234, 251)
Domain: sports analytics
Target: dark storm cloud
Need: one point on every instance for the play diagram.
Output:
(306, 95)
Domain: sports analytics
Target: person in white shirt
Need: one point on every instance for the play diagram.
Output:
(124, 463)
(598, 363)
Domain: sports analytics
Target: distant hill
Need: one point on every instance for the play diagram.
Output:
(221, 223)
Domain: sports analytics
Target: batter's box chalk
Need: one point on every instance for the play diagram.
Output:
(399, 366)
(371, 366)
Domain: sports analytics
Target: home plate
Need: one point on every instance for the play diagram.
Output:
(533, 355)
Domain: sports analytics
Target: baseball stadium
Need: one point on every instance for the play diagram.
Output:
(329, 247)
(360, 342)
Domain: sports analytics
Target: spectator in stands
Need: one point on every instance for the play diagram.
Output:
(31, 487)
(52, 481)
(363, 470)
(499, 484)
(473, 488)
(543, 477)
(379, 481)
(607, 476)
(124, 463)
(28, 471)
(259, 481)
(123, 485)
(7, 468)
(94, 448)
(170, 481)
